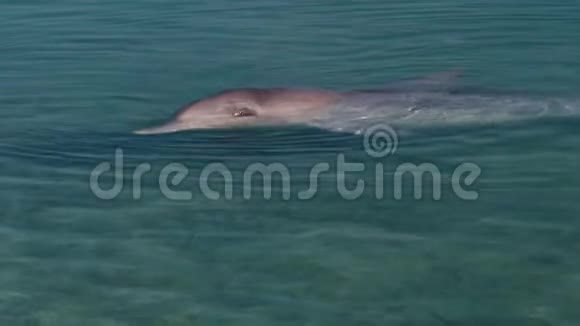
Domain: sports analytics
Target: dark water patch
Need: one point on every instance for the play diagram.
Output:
(80, 147)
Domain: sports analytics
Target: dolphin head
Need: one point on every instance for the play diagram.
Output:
(225, 109)
(243, 107)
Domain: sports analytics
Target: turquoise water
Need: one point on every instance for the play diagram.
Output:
(77, 76)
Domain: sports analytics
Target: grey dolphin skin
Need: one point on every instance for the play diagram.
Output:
(431, 100)
(252, 106)
(248, 106)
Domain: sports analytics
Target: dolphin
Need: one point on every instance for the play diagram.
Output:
(248, 106)
(429, 98)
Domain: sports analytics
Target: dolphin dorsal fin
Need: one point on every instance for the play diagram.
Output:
(445, 81)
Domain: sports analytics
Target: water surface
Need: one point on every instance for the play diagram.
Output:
(78, 76)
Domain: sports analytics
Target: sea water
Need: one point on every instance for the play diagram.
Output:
(488, 236)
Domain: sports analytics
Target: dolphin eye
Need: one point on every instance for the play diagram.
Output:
(244, 112)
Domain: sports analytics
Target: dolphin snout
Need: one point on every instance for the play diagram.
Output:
(171, 126)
